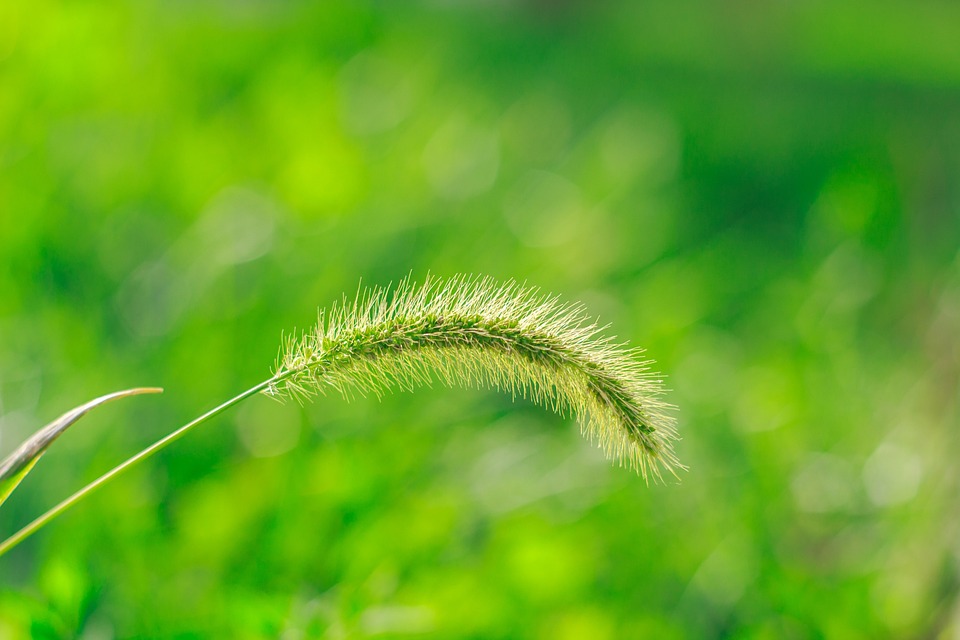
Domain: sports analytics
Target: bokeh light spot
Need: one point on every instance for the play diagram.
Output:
(462, 159)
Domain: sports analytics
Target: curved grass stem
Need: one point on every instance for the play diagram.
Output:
(37, 524)
(465, 331)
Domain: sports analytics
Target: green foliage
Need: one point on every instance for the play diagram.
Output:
(764, 196)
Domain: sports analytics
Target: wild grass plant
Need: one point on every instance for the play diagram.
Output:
(464, 331)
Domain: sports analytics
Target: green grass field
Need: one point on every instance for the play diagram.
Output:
(766, 198)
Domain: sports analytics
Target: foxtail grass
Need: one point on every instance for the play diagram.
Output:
(476, 332)
(465, 331)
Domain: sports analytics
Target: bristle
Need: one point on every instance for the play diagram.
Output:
(477, 332)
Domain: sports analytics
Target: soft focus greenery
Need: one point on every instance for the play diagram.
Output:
(765, 197)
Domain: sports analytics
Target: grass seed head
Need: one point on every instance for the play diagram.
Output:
(477, 332)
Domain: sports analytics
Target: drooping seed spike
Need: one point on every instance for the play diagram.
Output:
(476, 332)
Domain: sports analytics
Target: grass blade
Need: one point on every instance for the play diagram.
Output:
(19, 463)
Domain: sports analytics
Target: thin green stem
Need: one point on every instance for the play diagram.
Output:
(31, 528)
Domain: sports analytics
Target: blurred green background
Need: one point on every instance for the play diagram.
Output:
(766, 197)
